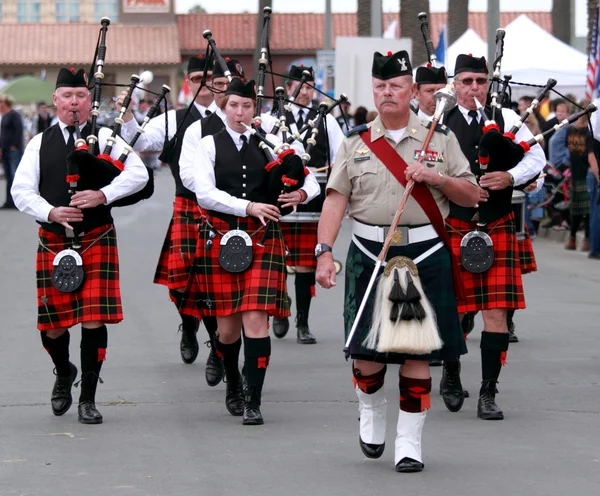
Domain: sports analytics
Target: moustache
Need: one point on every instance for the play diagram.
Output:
(388, 100)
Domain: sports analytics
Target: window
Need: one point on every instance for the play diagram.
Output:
(67, 10)
(29, 10)
(106, 8)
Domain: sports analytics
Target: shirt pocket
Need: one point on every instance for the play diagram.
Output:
(363, 176)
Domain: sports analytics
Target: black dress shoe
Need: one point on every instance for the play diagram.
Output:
(189, 344)
(371, 450)
(281, 327)
(214, 366)
(486, 406)
(252, 414)
(304, 335)
(234, 397)
(512, 337)
(61, 399)
(407, 465)
(9, 206)
(451, 387)
(88, 414)
(435, 362)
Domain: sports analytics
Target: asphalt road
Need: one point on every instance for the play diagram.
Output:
(166, 432)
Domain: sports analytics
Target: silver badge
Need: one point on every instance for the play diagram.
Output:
(402, 63)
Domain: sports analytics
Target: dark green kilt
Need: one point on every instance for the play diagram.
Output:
(580, 198)
(436, 277)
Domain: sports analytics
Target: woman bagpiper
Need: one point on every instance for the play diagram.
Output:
(239, 270)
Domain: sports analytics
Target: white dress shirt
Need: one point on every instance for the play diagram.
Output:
(533, 162)
(335, 134)
(198, 175)
(25, 189)
(153, 137)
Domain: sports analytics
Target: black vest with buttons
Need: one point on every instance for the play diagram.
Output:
(244, 178)
(499, 202)
(318, 153)
(53, 186)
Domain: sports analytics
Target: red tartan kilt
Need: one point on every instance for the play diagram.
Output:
(99, 299)
(526, 254)
(300, 239)
(211, 290)
(499, 287)
(179, 247)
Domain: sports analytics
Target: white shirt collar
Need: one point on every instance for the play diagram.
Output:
(296, 109)
(64, 126)
(423, 115)
(201, 109)
(465, 112)
(236, 136)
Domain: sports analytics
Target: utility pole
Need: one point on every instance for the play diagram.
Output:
(493, 23)
(376, 24)
(328, 19)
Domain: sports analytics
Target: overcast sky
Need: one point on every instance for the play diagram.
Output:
(213, 6)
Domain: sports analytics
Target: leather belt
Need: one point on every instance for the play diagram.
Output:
(406, 235)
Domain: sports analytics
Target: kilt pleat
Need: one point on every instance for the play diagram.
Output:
(99, 298)
(179, 247)
(501, 286)
(300, 239)
(580, 198)
(213, 291)
(526, 254)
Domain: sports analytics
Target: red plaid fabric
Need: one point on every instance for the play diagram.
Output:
(526, 254)
(211, 290)
(99, 299)
(501, 286)
(300, 239)
(179, 247)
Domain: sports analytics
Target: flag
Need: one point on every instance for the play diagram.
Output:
(184, 94)
(593, 74)
(440, 51)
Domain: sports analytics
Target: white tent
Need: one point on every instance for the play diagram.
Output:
(531, 55)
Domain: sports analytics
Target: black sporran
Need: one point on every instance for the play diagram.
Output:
(476, 252)
(235, 254)
(68, 274)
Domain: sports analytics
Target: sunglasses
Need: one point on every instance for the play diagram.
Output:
(469, 81)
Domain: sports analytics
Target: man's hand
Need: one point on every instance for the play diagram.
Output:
(422, 174)
(119, 103)
(87, 199)
(326, 271)
(64, 215)
(531, 188)
(495, 180)
(264, 212)
(483, 196)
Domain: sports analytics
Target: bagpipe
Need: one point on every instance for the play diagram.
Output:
(97, 170)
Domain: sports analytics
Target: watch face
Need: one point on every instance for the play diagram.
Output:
(317, 250)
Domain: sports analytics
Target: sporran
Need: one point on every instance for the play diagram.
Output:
(477, 252)
(67, 274)
(235, 253)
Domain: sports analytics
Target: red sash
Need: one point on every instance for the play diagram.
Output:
(396, 165)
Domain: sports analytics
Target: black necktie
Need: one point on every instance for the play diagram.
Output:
(474, 119)
(300, 121)
(207, 113)
(244, 141)
(71, 140)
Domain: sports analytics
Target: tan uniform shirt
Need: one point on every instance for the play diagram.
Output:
(372, 190)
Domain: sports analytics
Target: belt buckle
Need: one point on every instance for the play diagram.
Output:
(400, 236)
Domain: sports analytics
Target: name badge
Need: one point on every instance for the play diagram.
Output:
(362, 155)
(431, 156)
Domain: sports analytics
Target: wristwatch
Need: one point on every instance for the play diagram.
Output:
(322, 248)
(512, 179)
(442, 181)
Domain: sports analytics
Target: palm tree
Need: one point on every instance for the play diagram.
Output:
(363, 14)
(458, 19)
(561, 20)
(410, 27)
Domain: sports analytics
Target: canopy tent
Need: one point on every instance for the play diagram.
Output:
(531, 55)
(28, 89)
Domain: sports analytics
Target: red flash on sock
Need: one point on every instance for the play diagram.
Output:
(503, 357)
(313, 291)
(101, 354)
(263, 362)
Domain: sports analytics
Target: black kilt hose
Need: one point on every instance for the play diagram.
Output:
(436, 277)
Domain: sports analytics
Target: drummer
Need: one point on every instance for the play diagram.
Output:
(301, 237)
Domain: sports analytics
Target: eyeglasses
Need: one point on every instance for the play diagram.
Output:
(219, 85)
(469, 81)
(198, 79)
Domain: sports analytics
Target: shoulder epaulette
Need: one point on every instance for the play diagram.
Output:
(357, 130)
(440, 128)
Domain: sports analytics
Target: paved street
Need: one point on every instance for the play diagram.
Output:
(166, 432)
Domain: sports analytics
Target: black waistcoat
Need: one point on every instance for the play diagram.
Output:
(54, 187)
(245, 177)
(499, 202)
(193, 116)
(318, 153)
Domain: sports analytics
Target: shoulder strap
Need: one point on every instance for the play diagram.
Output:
(396, 165)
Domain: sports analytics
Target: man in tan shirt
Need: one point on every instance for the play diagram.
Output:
(362, 181)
